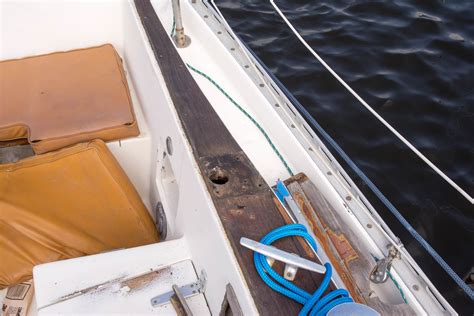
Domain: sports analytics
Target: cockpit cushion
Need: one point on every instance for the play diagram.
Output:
(64, 98)
(64, 204)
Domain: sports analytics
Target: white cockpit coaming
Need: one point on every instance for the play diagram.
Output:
(168, 173)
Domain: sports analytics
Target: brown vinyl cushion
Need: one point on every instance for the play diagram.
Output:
(64, 98)
(64, 204)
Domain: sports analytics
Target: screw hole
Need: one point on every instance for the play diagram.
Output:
(218, 176)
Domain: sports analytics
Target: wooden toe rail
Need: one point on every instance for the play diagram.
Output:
(241, 197)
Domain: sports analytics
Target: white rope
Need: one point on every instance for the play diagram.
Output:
(381, 119)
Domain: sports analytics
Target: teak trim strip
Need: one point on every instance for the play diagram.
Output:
(244, 202)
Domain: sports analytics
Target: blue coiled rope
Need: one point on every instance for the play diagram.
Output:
(313, 304)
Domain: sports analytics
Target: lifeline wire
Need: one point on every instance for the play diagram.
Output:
(367, 106)
(374, 189)
(456, 278)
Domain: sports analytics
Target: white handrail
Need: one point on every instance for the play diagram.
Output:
(380, 118)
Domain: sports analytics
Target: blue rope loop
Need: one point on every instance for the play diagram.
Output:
(313, 304)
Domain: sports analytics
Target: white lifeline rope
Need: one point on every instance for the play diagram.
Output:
(381, 119)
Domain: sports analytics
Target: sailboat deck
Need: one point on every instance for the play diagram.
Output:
(244, 209)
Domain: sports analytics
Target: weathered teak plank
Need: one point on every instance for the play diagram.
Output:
(245, 202)
(349, 255)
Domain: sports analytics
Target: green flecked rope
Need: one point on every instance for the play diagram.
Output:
(398, 286)
(270, 142)
(173, 28)
(394, 282)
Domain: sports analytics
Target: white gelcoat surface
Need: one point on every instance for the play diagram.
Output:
(169, 259)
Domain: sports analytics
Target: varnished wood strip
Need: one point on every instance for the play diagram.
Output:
(245, 202)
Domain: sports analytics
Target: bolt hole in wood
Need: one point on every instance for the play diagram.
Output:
(218, 176)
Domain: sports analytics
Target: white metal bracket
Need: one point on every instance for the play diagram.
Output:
(291, 260)
(186, 291)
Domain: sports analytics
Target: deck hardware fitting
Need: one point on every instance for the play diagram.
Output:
(169, 146)
(181, 40)
(161, 223)
(282, 256)
(186, 291)
(289, 272)
(380, 272)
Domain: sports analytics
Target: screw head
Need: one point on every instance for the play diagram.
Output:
(169, 146)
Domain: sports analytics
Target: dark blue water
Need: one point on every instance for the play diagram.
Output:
(412, 61)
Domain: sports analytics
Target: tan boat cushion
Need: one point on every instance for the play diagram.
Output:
(64, 204)
(64, 98)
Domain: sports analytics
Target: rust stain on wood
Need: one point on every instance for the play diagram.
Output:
(343, 246)
(324, 241)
